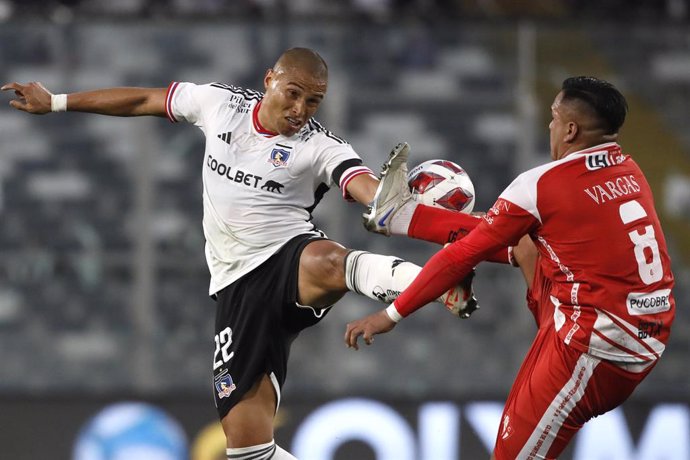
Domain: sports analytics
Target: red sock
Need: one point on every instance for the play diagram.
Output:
(444, 226)
(440, 225)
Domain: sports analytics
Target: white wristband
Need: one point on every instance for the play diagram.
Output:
(58, 102)
(393, 314)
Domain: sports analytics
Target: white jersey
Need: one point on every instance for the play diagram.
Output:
(258, 189)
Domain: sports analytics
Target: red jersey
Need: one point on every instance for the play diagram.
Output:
(592, 217)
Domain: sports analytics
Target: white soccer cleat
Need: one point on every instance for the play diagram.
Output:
(392, 192)
(460, 300)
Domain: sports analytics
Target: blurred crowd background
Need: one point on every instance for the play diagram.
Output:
(379, 10)
(103, 282)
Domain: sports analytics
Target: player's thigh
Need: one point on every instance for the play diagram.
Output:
(539, 299)
(321, 279)
(257, 319)
(549, 385)
(557, 390)
(525, 254)
(250, 421)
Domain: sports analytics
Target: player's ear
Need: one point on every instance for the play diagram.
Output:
(267, 78)
(572, 131)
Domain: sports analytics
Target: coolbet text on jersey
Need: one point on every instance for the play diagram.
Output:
(259, 188)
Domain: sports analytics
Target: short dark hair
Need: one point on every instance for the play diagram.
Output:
(601, 96)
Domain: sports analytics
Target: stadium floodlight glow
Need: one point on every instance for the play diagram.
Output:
(439, 432)
(374, 423)
(664, 436)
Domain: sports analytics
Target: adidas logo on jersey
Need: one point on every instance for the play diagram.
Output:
(225, 137)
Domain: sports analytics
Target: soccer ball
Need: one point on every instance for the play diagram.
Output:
(443, 184)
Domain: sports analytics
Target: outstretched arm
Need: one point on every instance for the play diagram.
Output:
(121, 102)
(445, 269)
(362, 188)
(504, 225)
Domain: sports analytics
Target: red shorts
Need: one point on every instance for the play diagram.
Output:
(556, 391)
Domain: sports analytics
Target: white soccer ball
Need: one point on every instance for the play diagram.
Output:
(443, 184)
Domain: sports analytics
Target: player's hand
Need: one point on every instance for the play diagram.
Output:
(32, 97)
(460, 300)
(368, 327)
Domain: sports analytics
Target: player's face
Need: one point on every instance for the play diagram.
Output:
(292, 97)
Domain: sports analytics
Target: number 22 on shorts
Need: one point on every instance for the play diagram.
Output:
(223, 342)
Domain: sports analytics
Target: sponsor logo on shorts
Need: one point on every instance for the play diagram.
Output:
(649, 329)
(224, 384)
(649, 303)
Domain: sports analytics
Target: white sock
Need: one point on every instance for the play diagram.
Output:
(378, 277)
(268, 451)
(400, 221)
(282, 454)
(258, 452)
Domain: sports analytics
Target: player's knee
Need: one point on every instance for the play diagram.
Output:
(324, 264)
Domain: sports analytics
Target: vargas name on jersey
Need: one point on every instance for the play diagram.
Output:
(592, 217)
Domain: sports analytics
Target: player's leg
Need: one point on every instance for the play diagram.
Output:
(393, 212)
(525, 255)
(321, 281)
(247, 419)
(557, 390)
(256, 321)
(328, 270)
(254, 413)
(250, 422)
(522, 417)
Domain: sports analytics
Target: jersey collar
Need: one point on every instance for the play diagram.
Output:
(257, 124)
(610, 147)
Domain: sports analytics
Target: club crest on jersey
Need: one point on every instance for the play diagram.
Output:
(224, 385)
(279, 157)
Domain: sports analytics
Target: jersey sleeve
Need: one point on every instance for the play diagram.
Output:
(191, 102)
(503, 225)
(523, 192)
(516, 212)
(338, 163)
(445, 270)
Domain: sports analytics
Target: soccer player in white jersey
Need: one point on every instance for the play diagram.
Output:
(599, 288)
(266, 164)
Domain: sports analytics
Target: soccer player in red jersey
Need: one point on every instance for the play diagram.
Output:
(601, 284)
